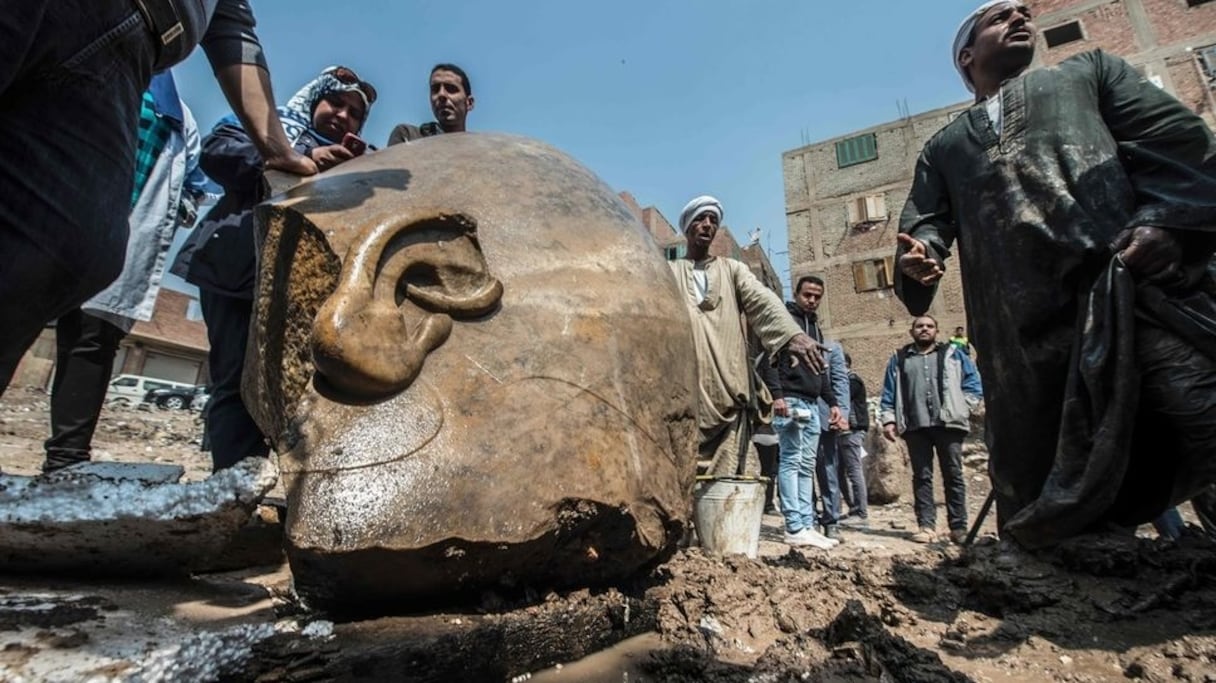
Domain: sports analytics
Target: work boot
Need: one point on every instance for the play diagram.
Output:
(958, 536)
(856, 521)
(832, 531)
(924, 535)
(59, 458)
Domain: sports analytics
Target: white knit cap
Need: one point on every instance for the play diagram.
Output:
(963, 38)
(697, 207)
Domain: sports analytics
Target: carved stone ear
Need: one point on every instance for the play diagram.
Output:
(401, 284)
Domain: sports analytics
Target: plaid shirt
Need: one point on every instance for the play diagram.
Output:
(154, 131)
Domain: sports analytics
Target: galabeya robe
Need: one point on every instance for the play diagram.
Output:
(1088, 148)
(717, 327)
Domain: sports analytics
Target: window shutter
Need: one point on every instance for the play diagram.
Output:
(854, 210)
(864, 276)
(888, 270)
(876, 207)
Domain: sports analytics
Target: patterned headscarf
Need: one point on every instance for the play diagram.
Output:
(297, 114)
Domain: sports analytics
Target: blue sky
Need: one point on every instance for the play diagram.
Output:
(666, 99)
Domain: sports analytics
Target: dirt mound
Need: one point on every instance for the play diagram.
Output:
(1096, 609)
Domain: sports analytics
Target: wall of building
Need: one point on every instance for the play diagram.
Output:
(1158, 36)
(869, 324)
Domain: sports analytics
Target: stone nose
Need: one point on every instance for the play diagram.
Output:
(401, 284)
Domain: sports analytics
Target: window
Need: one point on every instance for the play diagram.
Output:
(868, 209)
(1063, 34)
(123, 382)
(194, 311)
(1193, 3)
(856, 150)
(676, 252)
(872, 274)
(1207, 61)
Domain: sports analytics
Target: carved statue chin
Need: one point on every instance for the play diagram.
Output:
(477, 373)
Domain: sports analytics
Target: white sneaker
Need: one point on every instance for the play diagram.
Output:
(810, 537)
(818, 540)
(797, 538)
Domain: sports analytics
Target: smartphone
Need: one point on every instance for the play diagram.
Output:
(354, 143)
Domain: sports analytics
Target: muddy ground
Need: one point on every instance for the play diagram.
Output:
(878, 607)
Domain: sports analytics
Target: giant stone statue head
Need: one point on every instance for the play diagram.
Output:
(477, 373)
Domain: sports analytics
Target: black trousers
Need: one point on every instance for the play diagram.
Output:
(231, 431)
(768, 469)
(948, 443)
(85, 350)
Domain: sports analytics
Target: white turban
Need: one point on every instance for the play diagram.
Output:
(963, 38)
(697, 207)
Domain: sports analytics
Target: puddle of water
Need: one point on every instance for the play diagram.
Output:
(618, 664)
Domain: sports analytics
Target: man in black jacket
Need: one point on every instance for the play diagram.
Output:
(852, 474)
(796, 394)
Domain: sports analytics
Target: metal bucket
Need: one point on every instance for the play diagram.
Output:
(727, 514)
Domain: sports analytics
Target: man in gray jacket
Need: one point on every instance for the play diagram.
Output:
(927, 397)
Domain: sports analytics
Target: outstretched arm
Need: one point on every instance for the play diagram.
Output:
(926, 231)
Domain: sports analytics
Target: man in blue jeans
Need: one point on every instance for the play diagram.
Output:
(72, 77)
(808, 294)
(797, 392)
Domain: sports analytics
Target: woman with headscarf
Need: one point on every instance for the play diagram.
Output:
(220, 257)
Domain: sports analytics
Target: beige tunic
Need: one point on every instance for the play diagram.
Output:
(733, 291)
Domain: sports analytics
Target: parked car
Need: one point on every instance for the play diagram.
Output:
(132, 389)
(174, 398)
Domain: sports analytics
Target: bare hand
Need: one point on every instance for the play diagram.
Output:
(1150, 253)
(835, 418)
(806, 350)
(330, 155)
(781, 408)
(916, 262)
(888, 431)
(293, 163)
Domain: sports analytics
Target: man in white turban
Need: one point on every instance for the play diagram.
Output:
(719, 291)
(1083, 200)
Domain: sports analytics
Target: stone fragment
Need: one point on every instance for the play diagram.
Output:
(119, 519)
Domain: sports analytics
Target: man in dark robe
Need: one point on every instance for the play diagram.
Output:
(1083, 201)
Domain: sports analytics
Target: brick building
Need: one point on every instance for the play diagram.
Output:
(843, 195)
(1172, 42)
(172, 345)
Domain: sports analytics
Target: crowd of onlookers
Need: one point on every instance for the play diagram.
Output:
(74, 252)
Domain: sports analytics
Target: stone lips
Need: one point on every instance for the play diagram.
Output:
(547, 440)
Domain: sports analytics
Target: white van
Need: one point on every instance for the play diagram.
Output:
(130, 389)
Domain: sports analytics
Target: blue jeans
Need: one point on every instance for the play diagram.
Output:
(829, 478)
(72, 74)
(798, 439)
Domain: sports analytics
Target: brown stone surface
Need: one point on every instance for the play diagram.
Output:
(888, 472)
(474, 366)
